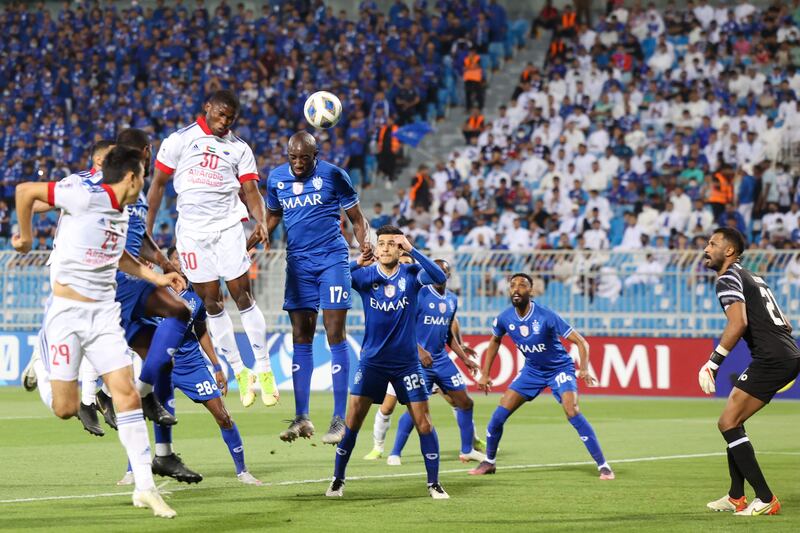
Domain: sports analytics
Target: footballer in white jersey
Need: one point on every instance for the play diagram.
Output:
(209, 166)
(83, 320)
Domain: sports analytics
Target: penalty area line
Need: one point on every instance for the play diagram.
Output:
(383, 476)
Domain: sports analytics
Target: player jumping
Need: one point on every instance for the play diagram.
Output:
(83, 320)
(389, 354)
(209, 165)
(309, 195)
(753, 315)
(537, 332)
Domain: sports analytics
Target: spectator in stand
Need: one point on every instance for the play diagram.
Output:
(420, 191)
(388, 151)
(474, 125)
(379, 218)
(733, 218)
(473, 80)
(547, 19)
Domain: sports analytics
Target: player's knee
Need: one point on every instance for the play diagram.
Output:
(224, 420)
(335, 337)
(65, 410)
(424, 426)
(726, 422)
(214, 306)
(467, 403)
(572, 410)
(243, 300)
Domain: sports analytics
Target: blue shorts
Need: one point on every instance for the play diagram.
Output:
(138, 325)
(409, 383)
(132, 295)
(444, 374)
(311, 286)
(530, 382)
(190, 374)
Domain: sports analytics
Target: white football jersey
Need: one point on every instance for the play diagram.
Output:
(91, 236)
(208, 173)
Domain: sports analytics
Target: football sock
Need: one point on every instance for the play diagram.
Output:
(737, 479)
(165, 393)
(88, 382)
(404, 427)
(220, 328)
(233, 440)
(256, 329)
(302, 368)
(381, 428)
(43, 383)
(133, 436)
(744, 455)
(466, 427)
(586, 433)
(494, 431)
(340, 373)
(429, 444)
(343, 451)
(166, 339)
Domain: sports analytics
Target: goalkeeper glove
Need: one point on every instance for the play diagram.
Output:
(707, 376)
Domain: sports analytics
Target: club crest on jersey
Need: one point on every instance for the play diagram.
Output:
(317, 183)
(297, 187)
(536, 327)
(389, 291)
(402, 284)
(442, 307)
(523, 330)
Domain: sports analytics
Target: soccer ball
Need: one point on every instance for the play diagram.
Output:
(323, 110)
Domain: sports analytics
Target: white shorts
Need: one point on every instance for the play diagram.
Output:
(209, 256)
(74, 330)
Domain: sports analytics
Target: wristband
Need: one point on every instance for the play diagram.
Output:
(218, 368)
(720, 349)
(718, 355)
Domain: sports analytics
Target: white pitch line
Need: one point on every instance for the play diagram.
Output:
(387, 476)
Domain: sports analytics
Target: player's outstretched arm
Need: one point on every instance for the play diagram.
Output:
(424, 356)
(484, 382)
(131, 265)
(455, 343)
(583, 352)
(26, 195)
(360, 228)
(155, 195)
(432, 274)
(204, 338)
(151, 253)
(255, 204)
(734, 329)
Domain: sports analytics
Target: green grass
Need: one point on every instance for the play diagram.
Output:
(41, 457)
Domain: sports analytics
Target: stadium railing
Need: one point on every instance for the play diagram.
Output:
(642, 293)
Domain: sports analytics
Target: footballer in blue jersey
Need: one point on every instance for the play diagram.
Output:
(537, 332)
(389, 353)
(309, 195)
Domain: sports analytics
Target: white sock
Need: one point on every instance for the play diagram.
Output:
(134, 438)
(106, 389)
(256, 328)
(220, 328)
(381, 428)
(163, 449)
(88, 376)
(43, 383)
(143, 388)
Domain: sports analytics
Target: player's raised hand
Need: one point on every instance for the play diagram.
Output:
(259, 236)
(589, 379)
(403, 242)
(485, 383)
(367, 250)
(365, 259)
(173, 280)
(20, 245)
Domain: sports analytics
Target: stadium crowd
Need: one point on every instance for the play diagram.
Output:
(642, 131)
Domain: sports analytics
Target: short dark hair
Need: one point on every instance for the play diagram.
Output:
(388, 229)
(225, 97)
(440, 260)
(522, 275)
(119, 161)
(133, 138)
(101, 145)
(734, 238)
(171, 250)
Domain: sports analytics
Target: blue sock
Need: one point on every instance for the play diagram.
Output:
(167, 337)
(341, 376)
(586, 433)
(467, 429)
(165, 392)
(494, 431)
(302, 368)
(404, 427)
(429, 444)
(234, 441)
(343, 451)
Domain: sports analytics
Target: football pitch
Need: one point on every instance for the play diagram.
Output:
(667, 454)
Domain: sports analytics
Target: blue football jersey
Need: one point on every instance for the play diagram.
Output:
(435, 313)
(390, 310)
(537, 335)
(137, 213)
(311, 209)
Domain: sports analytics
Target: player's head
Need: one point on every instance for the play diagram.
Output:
(406, 259)
(221, 109)
(723, 248)
(388, 250)
(123, 169)
(302, 151)
(519, 288)
(140, 140)
(445, 266)
(99, 151)
(172, 256)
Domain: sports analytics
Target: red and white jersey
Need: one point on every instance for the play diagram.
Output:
(208, 173)
(91, 236)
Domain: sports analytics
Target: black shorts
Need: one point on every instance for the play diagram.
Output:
(763, 379)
